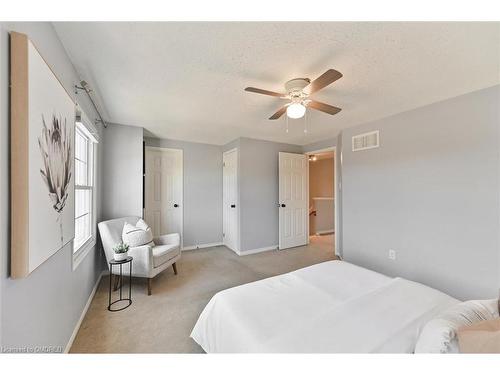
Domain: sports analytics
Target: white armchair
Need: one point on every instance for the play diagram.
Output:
(148, 261)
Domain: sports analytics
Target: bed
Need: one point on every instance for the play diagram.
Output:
(331, 307)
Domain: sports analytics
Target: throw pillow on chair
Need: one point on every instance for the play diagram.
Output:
(137, 235)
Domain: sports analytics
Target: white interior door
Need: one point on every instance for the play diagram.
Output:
(163, 190)
(230, 199)
(293, 200)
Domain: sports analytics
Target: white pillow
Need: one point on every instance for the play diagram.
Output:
(138, 235)
(141, 224)
(440, 334)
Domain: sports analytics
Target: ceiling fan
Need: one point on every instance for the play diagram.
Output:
(298, 92)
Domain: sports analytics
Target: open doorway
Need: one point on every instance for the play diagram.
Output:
(322, 199)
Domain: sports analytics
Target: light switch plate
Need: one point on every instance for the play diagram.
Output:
(392, 254)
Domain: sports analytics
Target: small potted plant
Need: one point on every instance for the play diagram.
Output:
(121, 251)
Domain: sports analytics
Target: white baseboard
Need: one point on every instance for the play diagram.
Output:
(202, 246)
(255, 251)
(328, 231)
(84, 312)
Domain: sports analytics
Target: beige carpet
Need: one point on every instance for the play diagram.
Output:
(161, 323)
(325, 241)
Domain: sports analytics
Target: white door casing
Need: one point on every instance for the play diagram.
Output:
(163, 209)
(293, 200)
(230, 204)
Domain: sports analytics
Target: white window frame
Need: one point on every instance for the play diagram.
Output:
(88, 130)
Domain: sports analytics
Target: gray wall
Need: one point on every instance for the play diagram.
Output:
(258, 191)
(43, 308)
(430, 192)
(122, 170)
(202, 190)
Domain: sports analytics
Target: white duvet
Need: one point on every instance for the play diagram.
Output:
(331, 307)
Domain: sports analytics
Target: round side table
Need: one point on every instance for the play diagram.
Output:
(120, 263)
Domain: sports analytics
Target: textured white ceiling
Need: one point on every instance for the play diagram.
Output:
(185, 80)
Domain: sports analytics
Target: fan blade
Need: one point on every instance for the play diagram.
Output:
(327, 108)
(265, 92)
(328, 77)
(278, 114)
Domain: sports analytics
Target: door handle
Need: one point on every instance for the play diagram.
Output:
(176, 205)
(283, 205)
(233, 206)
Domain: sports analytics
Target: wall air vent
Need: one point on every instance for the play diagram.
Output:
(365, 141)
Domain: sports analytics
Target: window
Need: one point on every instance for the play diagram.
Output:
(85, 218)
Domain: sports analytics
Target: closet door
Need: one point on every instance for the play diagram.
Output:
(163, 209)
(230, 207)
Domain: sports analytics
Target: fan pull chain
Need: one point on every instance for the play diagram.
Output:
(286, 123)
(305, 122)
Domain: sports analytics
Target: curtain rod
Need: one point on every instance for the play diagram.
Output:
(85, 87)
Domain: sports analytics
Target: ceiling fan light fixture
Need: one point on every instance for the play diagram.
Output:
(298, 92)
(295, 110)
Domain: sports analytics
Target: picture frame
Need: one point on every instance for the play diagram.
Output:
(42, 159)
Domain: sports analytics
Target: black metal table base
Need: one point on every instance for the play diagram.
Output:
(120, 300)
(129, 299)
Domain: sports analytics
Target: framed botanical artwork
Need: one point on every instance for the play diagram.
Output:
(42, 151)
